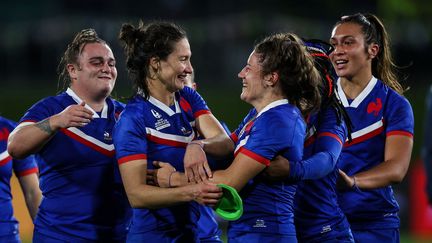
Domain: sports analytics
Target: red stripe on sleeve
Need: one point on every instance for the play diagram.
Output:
(28, 172)
(131, 157)
(201, 112)
(255, 156)
(403, 133)
(5, 160)
(329, 134)
(234, 137)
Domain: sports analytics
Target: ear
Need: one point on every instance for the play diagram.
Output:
(373, 50)
(155, 63)
(271, 79)
(72, 70)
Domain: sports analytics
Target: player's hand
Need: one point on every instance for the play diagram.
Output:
(72, 116)
(278, 169)
(196, 165)
(163, 175)
(206, 193)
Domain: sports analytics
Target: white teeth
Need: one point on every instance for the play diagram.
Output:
(341, 61)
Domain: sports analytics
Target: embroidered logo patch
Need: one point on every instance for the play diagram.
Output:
(374, 107)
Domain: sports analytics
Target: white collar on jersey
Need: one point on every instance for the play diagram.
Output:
(272, 105)
(356, 102)
(104, 113)
(164, 107)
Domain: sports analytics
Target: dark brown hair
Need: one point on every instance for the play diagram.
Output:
(156, 39)
(383, 66)
(286, 54)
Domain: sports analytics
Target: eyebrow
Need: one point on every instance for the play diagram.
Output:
(101, 58)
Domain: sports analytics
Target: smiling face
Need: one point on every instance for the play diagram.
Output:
(350, 58)
(94, 75)
(174, 70)
(253, 83)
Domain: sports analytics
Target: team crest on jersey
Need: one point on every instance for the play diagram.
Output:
(374, 107)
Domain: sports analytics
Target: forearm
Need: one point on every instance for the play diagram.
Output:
(29, 139)
(33, 201)
(315, 167)
(152, 197)
(32, 194)
(384, 174)
(218, 146)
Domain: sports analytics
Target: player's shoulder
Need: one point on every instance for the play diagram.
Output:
(6, 123)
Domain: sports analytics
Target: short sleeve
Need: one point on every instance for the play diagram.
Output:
(271, 135)
(23, 167)
(399, 119)
(129, 136)
(191, 100)
(40, 111)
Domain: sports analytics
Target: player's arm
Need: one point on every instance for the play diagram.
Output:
(241, 170)
(216, 143)
(32, 194)
(29, 138)
(327, 150)
(142, 195)
(392, 170)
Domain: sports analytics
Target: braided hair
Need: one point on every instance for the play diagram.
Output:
(320, 50)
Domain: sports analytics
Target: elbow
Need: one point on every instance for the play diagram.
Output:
(14, 149)
(229, 146)
(399, 175)
(137, 201)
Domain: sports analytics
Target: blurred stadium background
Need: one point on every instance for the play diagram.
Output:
(34, 35)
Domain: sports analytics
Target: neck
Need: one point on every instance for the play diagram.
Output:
(260, 104)
(95, 102)
(159, 92)
(352, 87)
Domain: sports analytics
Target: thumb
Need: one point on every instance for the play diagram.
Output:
(83, 103)
(156, 164)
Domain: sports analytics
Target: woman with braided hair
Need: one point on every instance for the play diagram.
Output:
(71, 136)
(383, 123)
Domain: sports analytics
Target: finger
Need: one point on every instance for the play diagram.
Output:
(164, 165)
(197, 174)
(83, 103)
(87, 112)
(208, 170)
(190, 175)
(156, 164)
(202, 173)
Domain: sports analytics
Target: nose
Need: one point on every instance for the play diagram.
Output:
(189, 68)
(337, 50)
(241, 74)
(105, 68)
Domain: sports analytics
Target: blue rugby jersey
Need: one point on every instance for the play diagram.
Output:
(82, 196)
(317, 213)
(278, 129)
(27, 166)
(149, 129)
(376, 113)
